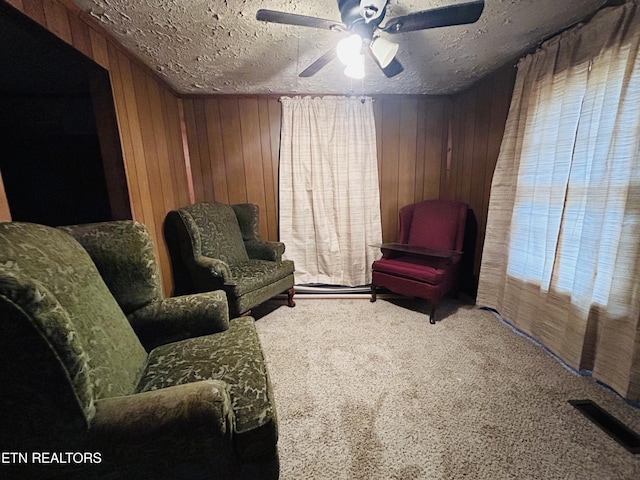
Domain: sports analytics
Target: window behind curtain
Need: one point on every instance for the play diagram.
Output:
(562, 253)
(329, 192)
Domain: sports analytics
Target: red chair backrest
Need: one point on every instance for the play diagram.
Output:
(437, 224)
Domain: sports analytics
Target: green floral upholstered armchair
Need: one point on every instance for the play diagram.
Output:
(216, 246)
(82, 398)
(123, 252)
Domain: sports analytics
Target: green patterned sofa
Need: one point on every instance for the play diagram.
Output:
(123, 252)
(214, 246)
(82, 398)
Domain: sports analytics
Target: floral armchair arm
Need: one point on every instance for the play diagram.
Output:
(181, 422)
(176, 318)
(265, 250)
(214, 267)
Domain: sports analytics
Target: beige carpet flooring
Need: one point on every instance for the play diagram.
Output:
(373, 391)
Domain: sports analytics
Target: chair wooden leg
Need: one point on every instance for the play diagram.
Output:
(432, 314)
(290, 293)
(373, 292)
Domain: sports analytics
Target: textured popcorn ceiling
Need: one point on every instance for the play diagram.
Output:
(217, 46)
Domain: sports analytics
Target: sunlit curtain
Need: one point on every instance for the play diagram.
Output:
(561, 259)
(329, 193)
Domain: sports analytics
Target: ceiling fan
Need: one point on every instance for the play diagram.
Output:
(362, 19)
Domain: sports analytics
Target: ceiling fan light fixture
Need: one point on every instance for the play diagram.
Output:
(349, 49)
(355, 69)
(384, 51)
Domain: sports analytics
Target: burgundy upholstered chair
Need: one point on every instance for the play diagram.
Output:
(425, 261)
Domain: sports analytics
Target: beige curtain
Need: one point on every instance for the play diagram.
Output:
(329, 193)
(561, 259)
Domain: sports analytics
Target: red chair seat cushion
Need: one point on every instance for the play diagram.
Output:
(409, 267)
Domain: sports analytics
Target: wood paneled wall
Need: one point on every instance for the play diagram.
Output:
(5, 213)
(234, 150)
(478, 118)
(148, 116)
(234, 145)
(412, 137)
(226, 148)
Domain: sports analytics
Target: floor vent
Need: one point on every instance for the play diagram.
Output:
(617, 430)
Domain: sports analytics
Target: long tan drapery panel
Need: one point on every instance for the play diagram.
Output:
(561, 258)
(329, 191)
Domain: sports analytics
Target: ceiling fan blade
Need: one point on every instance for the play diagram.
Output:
(299, 20)
(319, 63)
(394, 68)
(458, 14)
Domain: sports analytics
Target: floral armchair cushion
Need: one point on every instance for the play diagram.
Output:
(123, 252)
(219, 234)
